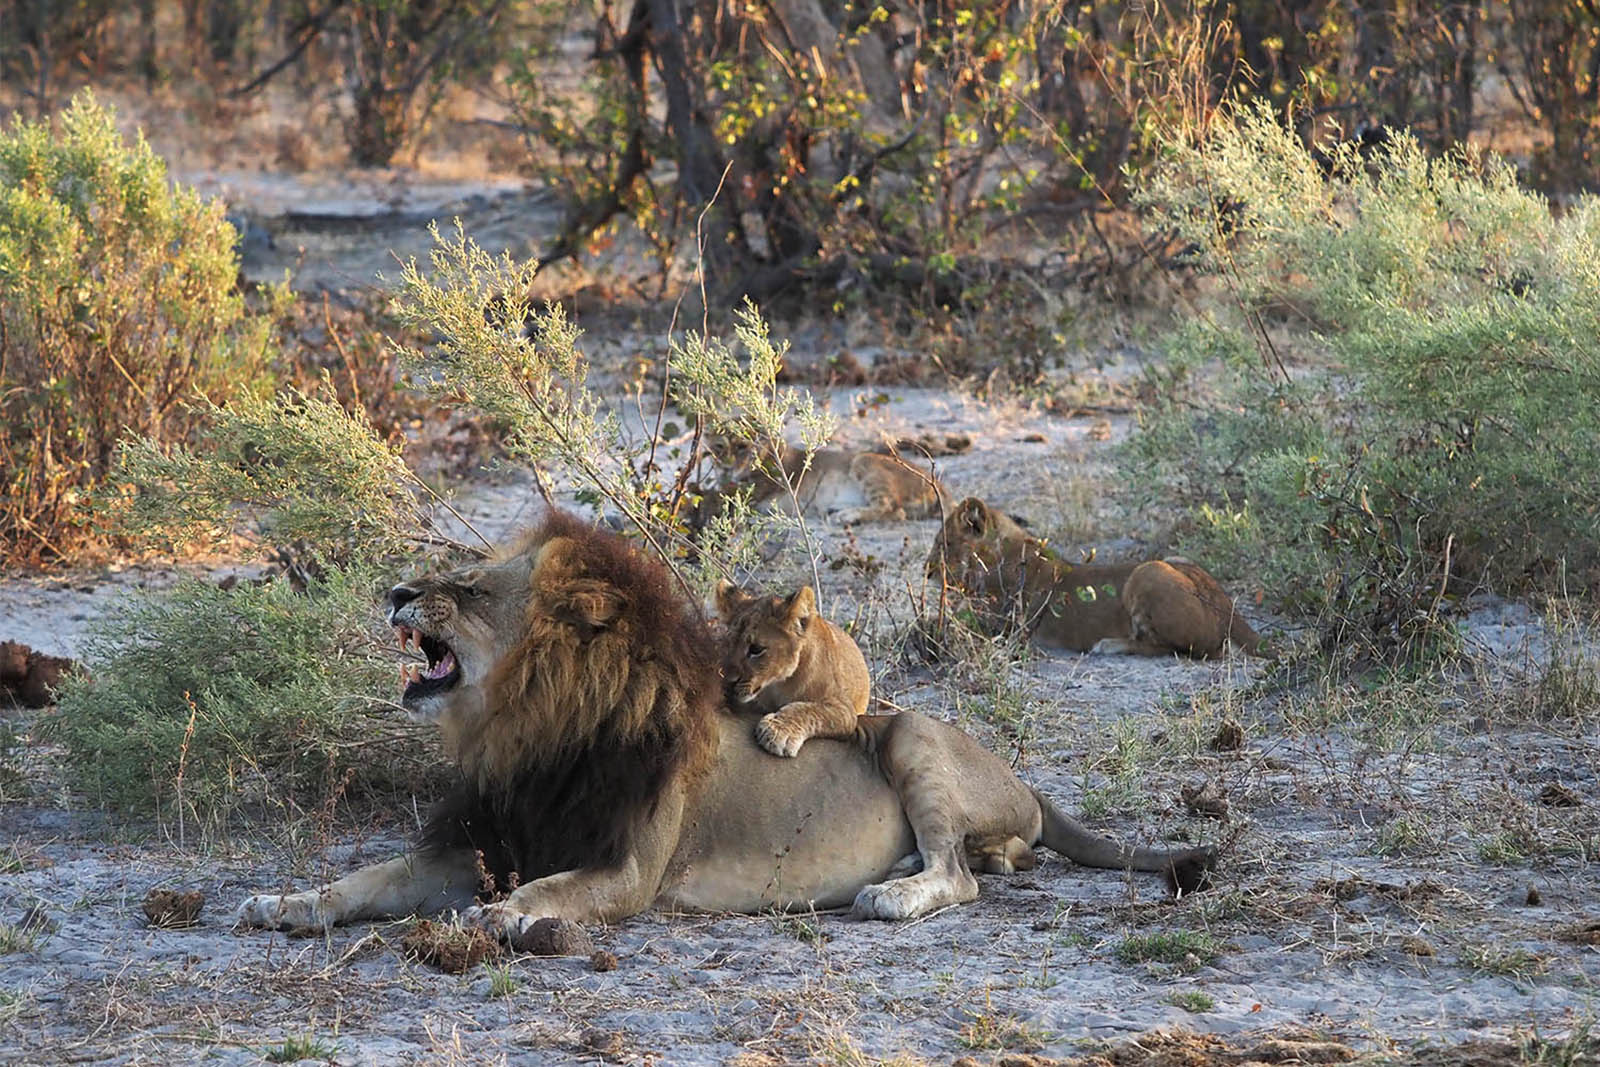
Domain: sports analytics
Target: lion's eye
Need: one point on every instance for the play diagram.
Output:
(474, 592)
(757, 651)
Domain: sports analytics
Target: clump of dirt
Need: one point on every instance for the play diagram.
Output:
(173, 909)
(1228, 738)
(1205, 799)
(452, 949)
(1356, 886)
(554, 937)
(603, 961)
(1581, 933)
(1556, 795)
(1190, 1050)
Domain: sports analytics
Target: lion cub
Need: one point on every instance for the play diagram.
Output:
(802, 670)
(1150, 608)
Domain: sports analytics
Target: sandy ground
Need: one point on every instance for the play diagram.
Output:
(1393, 877)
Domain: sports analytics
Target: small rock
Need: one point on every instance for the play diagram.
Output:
(1556, 795)
(1416, 946)
(554, 937)
(1535, 898)
(173, 909)
(1228, 738)
(603, 960)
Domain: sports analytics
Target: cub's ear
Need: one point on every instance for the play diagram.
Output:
(730, 598)
(974, 514)
(801, 605)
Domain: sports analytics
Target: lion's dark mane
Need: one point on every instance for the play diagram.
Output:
(583, 807)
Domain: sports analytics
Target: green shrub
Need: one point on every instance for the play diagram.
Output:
(1441, 431)
(208, 702)
(117, 304)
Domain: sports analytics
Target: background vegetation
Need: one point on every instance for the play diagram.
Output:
(854, 145)
(1432, 438)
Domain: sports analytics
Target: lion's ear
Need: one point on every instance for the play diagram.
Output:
(730, 598)
(975, 514)
(596, 608)
(801, 606)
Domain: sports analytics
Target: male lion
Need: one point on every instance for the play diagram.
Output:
(600, 773)
(1153, 608)
(786, 660)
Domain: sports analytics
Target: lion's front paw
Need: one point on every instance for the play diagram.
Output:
(499, 921)
(292, 912)
(779, 737)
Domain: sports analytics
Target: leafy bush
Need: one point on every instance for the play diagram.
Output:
(293, 468)
(208, 702)
(117, 303)
(1441, 433)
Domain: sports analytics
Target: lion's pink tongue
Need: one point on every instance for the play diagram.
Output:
(446, 664)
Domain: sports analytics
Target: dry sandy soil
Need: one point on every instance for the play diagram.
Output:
(1399, 875)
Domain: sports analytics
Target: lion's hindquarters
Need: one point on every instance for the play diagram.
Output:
(1177, 606)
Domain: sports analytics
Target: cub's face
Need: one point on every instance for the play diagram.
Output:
(764, 637)
(457, 626)
(973, 537)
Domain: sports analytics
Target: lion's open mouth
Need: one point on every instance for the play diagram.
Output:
(442, 670)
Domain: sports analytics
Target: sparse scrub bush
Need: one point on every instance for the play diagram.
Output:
(534, 381)
(268, 463)
(1443, 438)
(207, 703)
(117, 305)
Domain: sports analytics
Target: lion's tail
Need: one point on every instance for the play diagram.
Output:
(1186, 869)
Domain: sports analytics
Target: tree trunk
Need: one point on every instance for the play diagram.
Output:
(700, 166)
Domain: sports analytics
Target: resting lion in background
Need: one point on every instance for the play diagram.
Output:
(600, 773)
(842, 484)
(1154, 608)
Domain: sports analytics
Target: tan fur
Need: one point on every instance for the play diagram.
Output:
(1156, 607)
(547, 662)
(786, 660)
(849, 486)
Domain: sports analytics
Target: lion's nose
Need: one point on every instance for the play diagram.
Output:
(401, 595)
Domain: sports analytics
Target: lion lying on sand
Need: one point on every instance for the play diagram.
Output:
(1154, 608)
(600, 774)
